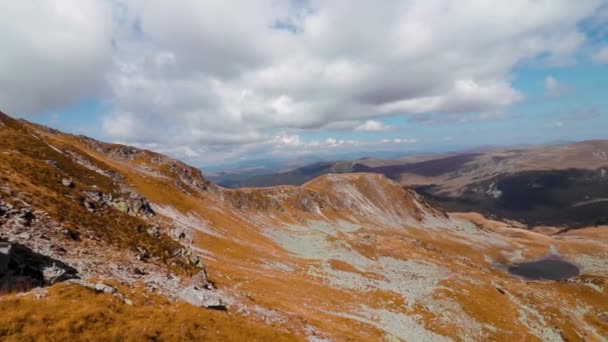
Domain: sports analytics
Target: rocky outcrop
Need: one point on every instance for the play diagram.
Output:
(134, 203)
(203, 298)
(182, 172)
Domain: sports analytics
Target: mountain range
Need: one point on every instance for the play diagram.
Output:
(560, 185)
(106, 241)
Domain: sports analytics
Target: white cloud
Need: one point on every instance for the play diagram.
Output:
(54, 53)
(399, 141)
(289, 140)
(556, 124)
(228, 78)
(601, 56)
(373, 126)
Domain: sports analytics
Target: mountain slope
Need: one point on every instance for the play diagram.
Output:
(343, 257)
(563, 185)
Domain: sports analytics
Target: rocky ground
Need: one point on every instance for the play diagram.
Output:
(344, 257)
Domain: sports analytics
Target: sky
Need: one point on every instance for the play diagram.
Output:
(215, 82)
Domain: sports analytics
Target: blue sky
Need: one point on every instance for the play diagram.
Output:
(422, 77)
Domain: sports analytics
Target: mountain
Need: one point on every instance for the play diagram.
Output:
(106, 242)
(562, 184)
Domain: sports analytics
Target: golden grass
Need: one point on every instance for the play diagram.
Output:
(74, 313)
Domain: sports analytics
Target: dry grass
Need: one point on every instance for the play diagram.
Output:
(74, 313)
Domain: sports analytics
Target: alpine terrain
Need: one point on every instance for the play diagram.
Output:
(108, 242)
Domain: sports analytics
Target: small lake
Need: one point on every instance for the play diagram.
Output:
(548, 269)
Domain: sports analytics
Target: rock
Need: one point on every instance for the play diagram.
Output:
(101, 287)
(5, 256)
(93, 196)
(139, 205)
(54, 274)
(25, 236)
(142, 253)
(202, 298)
(67, 183)
(201, 281)
(122, 206)
(25, 217)
(128, 301)
(89, 206)
(154, 231)
(139, 271)
(73, 234)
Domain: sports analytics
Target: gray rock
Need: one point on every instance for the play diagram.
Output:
(25, 236)
(139, 205)
(203, 298)
(101, 287)
(54, 274)
(67, 182)
(93, 196)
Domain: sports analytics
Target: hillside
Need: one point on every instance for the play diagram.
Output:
(563, 185)
(103, 240)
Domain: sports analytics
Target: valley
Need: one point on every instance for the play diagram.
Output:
(357, 256)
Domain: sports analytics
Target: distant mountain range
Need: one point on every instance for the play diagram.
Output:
(559, 184)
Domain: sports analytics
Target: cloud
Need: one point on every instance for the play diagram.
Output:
(373, 126)
(399, 141)
(554, 88)
(556, 124)
(224, 78)
(54, 53)
(600, 56)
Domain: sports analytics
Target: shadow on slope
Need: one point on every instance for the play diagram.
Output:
(568, 198)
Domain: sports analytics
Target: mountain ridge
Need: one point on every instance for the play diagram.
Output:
(344, 257)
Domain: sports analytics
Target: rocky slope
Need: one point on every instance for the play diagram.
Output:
(343, 257)
(563, 185)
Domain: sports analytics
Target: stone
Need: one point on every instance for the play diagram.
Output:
(128, 301)
(25, 236)
(25, 217)
(154, 231)
(67, 182)
(54, 274)
(201, 281)
(139, 205)
(93, 196)
(142, 253)
(122, 206)
(202, 298)
(101, 287)
(5, 256)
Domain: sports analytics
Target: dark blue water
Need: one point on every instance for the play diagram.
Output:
(548, 269)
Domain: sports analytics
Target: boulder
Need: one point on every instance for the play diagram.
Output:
(101, 287)
(54, 274)
(67, 183)
(139, 205)
(203, 298)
